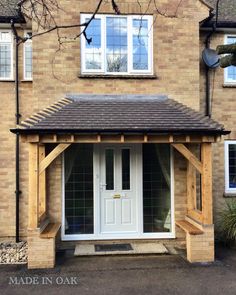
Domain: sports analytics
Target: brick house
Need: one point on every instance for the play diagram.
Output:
(115, 139)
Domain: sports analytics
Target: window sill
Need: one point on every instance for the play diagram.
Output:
(25, 81)
(98, 76)
(229, 85)
(230, 195)
(8, 80)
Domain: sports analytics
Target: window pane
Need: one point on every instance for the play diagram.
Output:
(79, 189)
(156, 188)
(125, 169)
(140, 44)
(93, 56)
(116, 44)
(109, 169)
(232, 165)
(5, 60)
(5, 37)
(231, 71)
(28, 60)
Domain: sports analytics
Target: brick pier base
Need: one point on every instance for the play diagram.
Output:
(41, 252)
(200, 248)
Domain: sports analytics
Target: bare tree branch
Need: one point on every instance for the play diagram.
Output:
(44, 13)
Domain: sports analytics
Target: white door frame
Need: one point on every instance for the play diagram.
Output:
(97, 221)
(136, 168)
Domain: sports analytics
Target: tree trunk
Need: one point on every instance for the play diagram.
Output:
(222, 49)
(228, 60)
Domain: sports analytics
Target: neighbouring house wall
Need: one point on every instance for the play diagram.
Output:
(176, 66)
(7, 151)
(223, 99)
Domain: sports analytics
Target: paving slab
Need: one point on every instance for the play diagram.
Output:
(137, 248)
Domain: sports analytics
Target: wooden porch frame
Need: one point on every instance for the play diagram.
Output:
(37, 181)
(38, 163)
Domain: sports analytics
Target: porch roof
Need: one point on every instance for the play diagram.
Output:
(119, 113)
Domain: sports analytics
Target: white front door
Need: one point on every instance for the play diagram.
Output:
(118, 188)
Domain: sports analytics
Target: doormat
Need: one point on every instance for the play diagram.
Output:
(113, 247)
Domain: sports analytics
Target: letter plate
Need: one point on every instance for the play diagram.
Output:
(116, 196)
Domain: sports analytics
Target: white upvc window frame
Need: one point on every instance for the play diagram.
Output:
(226, 79)
(10, 41)
(97, 234)
(227, 188)
(27, 43)
(130, 70)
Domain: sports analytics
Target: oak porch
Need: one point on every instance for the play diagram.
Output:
(197, 224)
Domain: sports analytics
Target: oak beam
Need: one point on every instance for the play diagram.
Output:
(33, 199)
(52, 156)
(33, 138)
(189, 156)
(206, 187)
(115, 138)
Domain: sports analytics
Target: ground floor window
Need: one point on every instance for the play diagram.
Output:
(78, 178)
(230, 166)
(156, 188)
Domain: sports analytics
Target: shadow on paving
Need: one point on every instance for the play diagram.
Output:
(150, 274)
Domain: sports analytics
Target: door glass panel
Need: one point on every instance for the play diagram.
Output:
(125, 169)
(78, 179)
(109, 169)
(156, 188)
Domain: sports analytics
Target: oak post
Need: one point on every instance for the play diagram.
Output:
(191, 186)
(42, 183)
(33, 186)
(206, 187)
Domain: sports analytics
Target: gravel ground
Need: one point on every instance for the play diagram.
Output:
(13, 253)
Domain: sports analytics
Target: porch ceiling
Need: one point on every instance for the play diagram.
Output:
(119, 114)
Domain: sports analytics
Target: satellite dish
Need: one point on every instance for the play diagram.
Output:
(210, 58)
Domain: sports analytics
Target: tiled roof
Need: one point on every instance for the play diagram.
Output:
(9, 10)
(120, 113)
(227, 12)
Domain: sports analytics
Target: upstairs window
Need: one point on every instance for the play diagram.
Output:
(119, 45)
(230, 72)
(6, 55)
(230, 166)
(28, 57)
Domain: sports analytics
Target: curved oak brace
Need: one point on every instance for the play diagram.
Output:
(189, 156)
(205, 168)
(52, 156)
